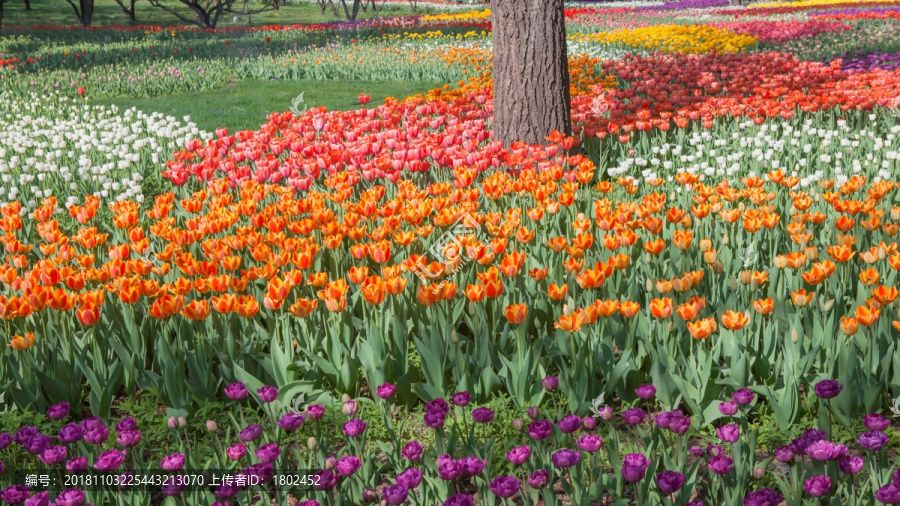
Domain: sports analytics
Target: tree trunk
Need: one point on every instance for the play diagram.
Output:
(531, 70)
(1, 13)
(27, 5)
(87, 12)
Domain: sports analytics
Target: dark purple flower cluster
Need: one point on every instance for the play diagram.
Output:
(861, 62)
(436, 413)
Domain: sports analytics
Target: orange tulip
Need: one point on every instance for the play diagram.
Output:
(801, 298)
(569, 323)
(88, 314)
(22, 343)
(196, 310)
(885, 295)
(867, 316)
(688, 311)
(224, 303)
(661, 308)
(516, 313)
(734, 321)
(869, 277)
(475, 293)
(629, 309)
(763, 306)
(849, 326)
(606, 308)
(701, 329)
(538, 274)
(303, 307)
(556, 292)
(373, 290)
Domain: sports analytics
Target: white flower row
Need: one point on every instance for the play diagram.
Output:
(51, 145)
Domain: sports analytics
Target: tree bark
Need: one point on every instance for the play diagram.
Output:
(27, 5)
(1, 13)
(531, 70)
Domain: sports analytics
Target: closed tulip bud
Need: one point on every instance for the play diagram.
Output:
(812, 253)
(718, 267)
(349, 408)
(725, 239)
(182, 422)
(648, 285)
(705, 245)
(212, 426)
(369, 495)
(329, 462)
(744, 277)
(687, 222)
(759, 473)
(453, 337)
(895, 213)
(795, 336)
(345, 397)
(518, 424)
(172, 422)
(780, 261)
(826, 306)
(312, 444)
(471, 308)
(733, 284)
(710, 256)
(533, 412)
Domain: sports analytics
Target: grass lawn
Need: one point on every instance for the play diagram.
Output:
(245, 104)
(107, 12)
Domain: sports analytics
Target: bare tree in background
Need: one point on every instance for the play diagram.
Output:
(1, 12)
(372, 4)
(351, 12)
(127, 9)
(27, 5)
(531, 70)
(84, 9)
(208, 13)
(414, 4)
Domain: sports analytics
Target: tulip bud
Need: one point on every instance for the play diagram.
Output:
(345, 397)
(647, 258)
(812, 253)
(212, 426)
(648, 285)
(895, 213)
(753, 285)
(349, 408)
(329, 462)
(710, 256)
(795, 336)
(718, 267)
(172, 422)
(590, 423)
(370, 496)
(605, 413)
(518, 424)
(533, 412)
(312, 444)
(725, 239)
(471, 308)
(453, 337)
(759, 473)
(826, 306)
(744, 277)
(182, 422)
(705, 245)
(780, 261)
(732, 283)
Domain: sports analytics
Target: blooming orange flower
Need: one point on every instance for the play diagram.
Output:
(867, 316)
(701, 329)
(885, 295)
(569, 323)
(869, 277)
(734, 321)
(303, 307)
(556, 292)
(763, 306)
(661, 308)
(538, 274)
(688, 311)
(801, 298)
(373, 290)
(516, 313)
(629, 309)
(88, 314)
(196, 310)
(849, 326)
(22, 343)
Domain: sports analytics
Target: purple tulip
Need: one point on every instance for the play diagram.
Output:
(850, 464)
(763, 497)
(873, 440)
(24, 434)
(237, 451)
(14, 494)
(728, 408)
(784, 454)
(828, 389)
(127, 423)
(354, 427)
(539, 479)
(664, 419)
(743, 396)
(825, 450)
(395, 494)
(58, 411)
(817, 486)
(267, 393)
(459, 500)
(39, 499)
(173, 488)
(54, 455)
(236, 391)
(470, 466)
(109, 460)
(482, 415)
(291, 421)
(605, 412)
(533, 412)
(590, 423)
(714, 450)
(326, 479)
(411, 478)
(540, 430)
(895, 478)
(669, 482)
(696, 451)
(589, 442)
(37, 443)
(346, 466)
(569, 424)
(888, 494)
(439, 405)
(434, 419)
(721, 464)
(550, 383)
(461, 399)
(174, 462)
(268, 453)
(645, 391)
(448, 468)
(565, 458)
(505, 486)
(251, 433)
(679, 424)
(70, 433)
(729, 433)
(369, 496)
(635, 467)
(315, 412)
(129, 438)
(96, 435)
(385, 391)
(518, 455)
(634, 416)
(6, 439)
(77, 465)
(877, 422)
(350, 407)
(412, 451)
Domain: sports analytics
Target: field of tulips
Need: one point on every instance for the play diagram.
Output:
(693, 299)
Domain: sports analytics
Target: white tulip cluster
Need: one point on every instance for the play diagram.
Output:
(52, 145)
(805, 150)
